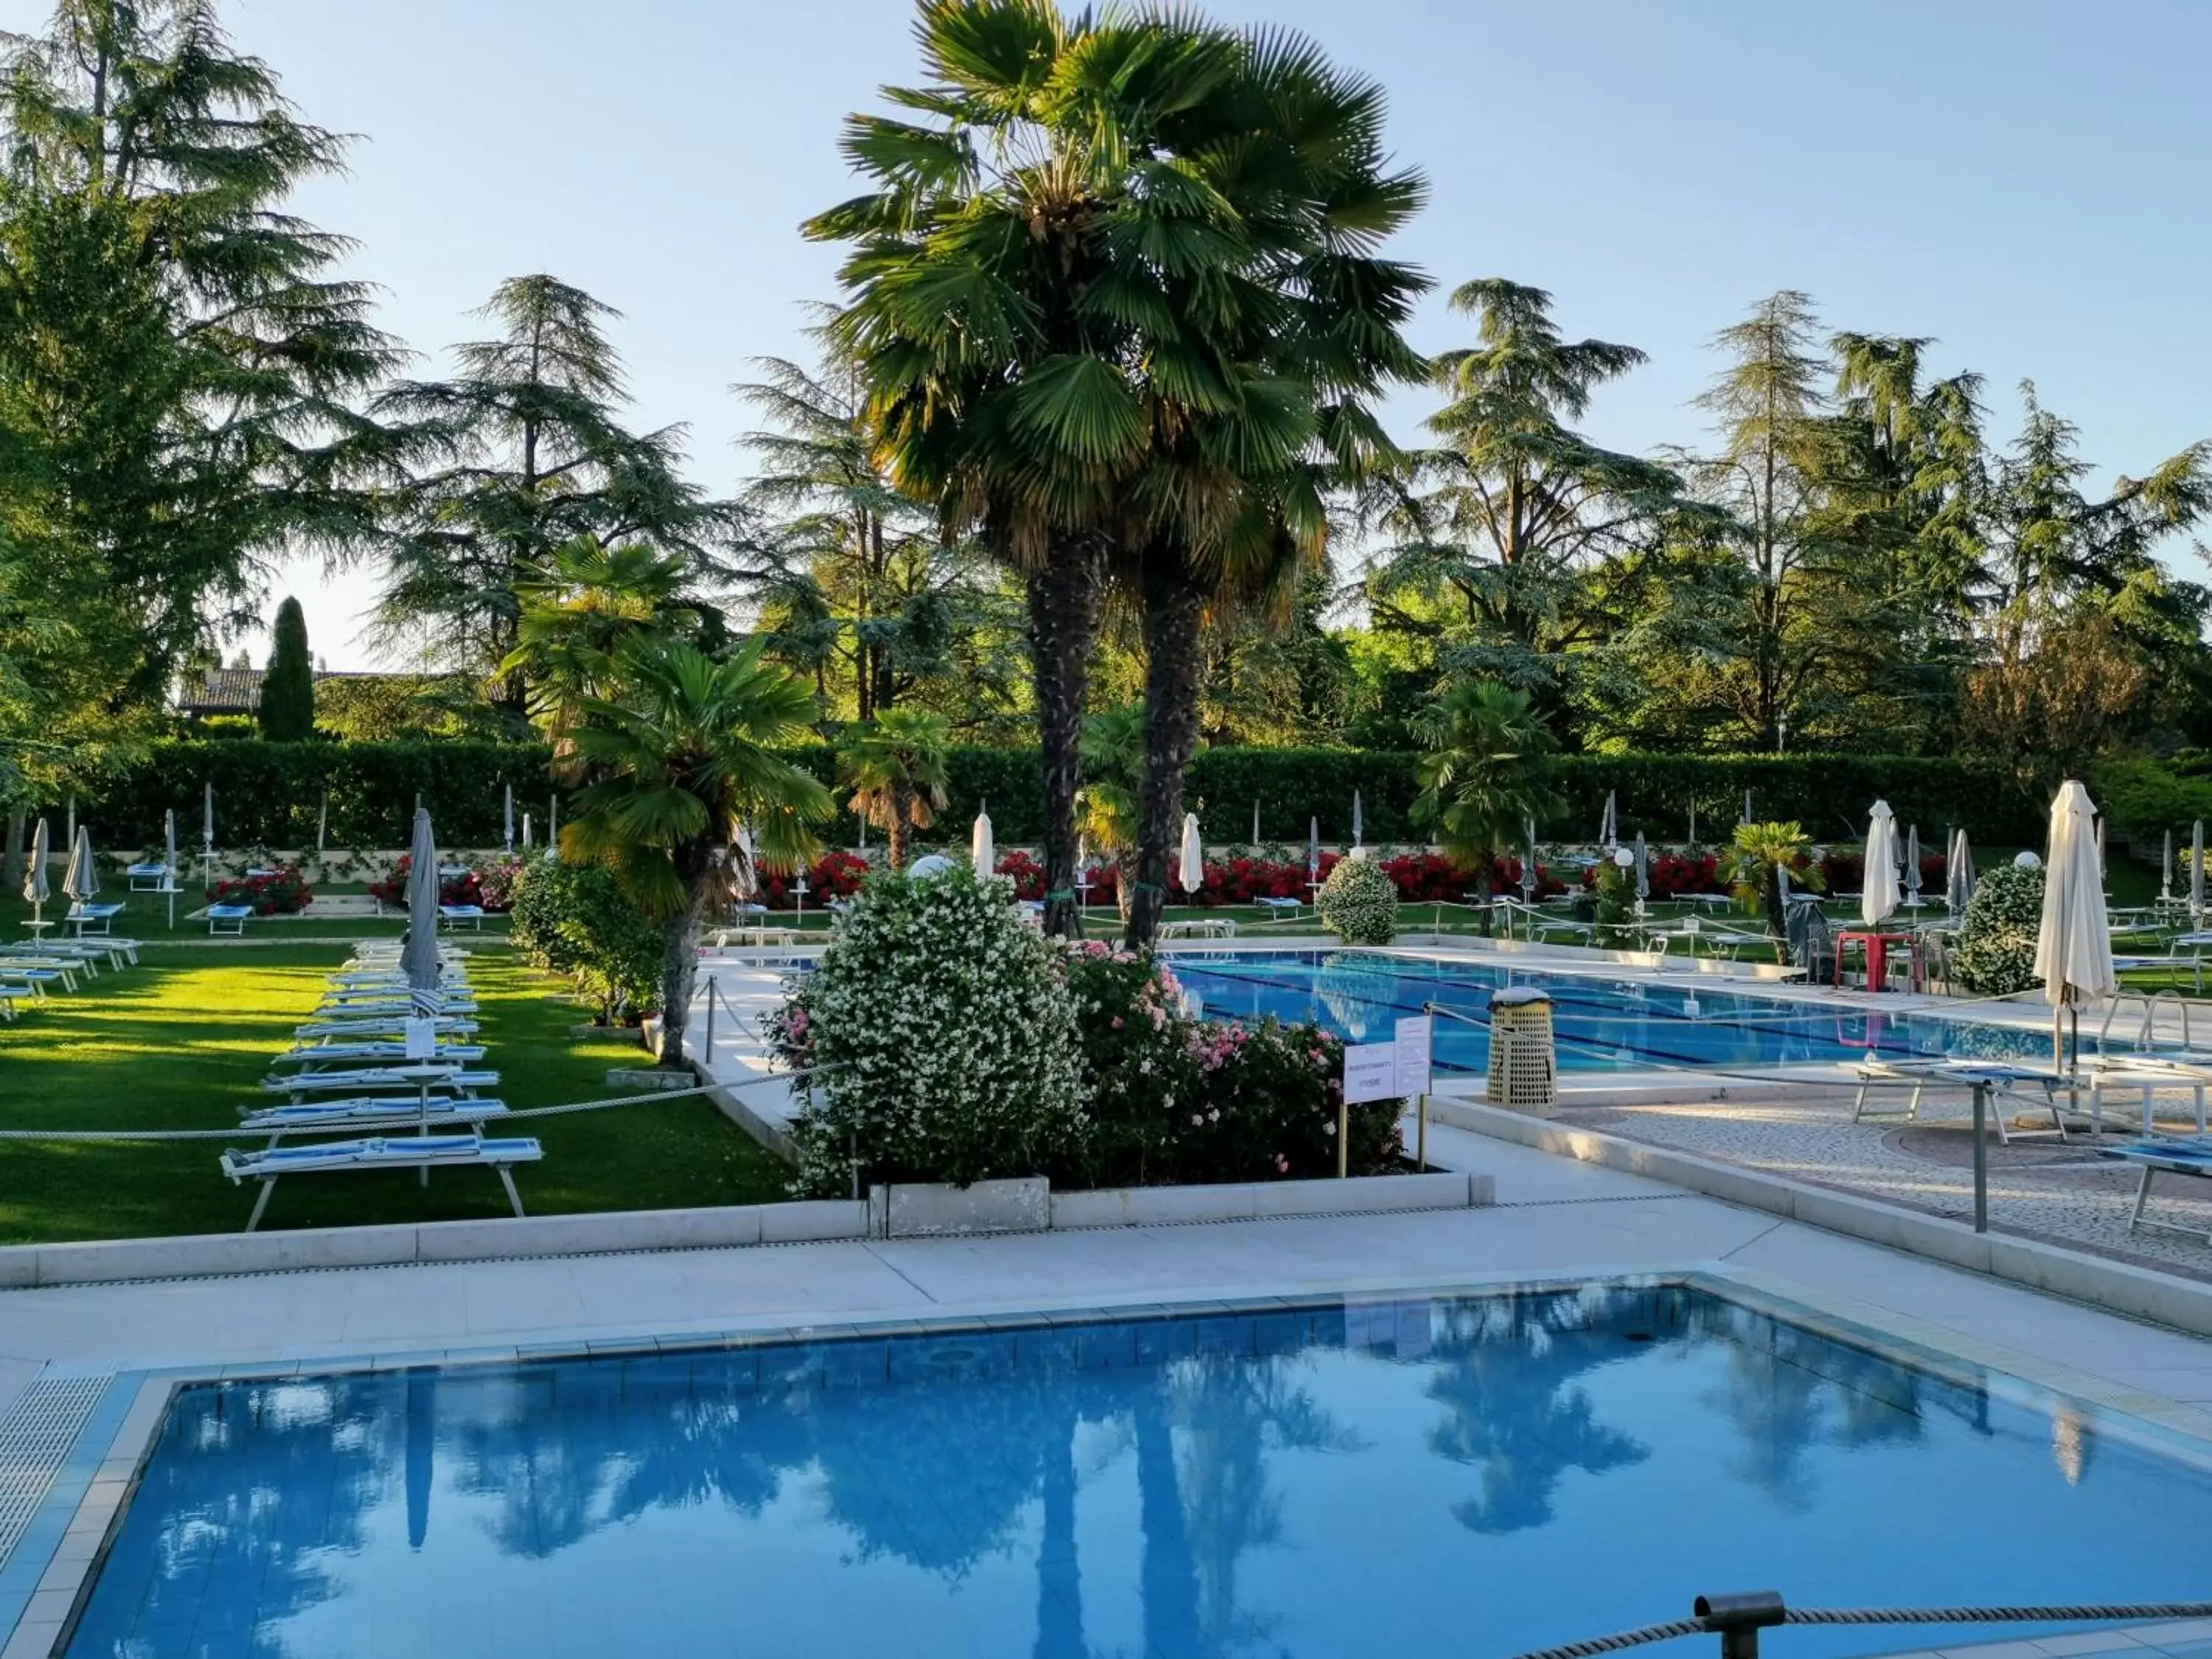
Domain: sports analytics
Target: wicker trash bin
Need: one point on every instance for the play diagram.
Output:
(1524, 1062)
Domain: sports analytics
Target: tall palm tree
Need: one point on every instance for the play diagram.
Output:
(895, 766)
(1101, 241)
(683, 755)
(1479, 785)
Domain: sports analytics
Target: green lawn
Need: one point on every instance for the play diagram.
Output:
(182, 1040)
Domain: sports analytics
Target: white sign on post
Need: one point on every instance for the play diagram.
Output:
(1370, 1071)
(1412, 1047)
(422, 1036)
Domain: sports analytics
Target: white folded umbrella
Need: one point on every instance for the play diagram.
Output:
(984, 854)
(2073, 949)
(1191, 872)
(1878, 892)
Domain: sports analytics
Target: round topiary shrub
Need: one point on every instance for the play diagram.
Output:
(1996, 954)
(942, 1038)
(1359, 903)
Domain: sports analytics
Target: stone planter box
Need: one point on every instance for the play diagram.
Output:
(937, 1210)
(638, 1079)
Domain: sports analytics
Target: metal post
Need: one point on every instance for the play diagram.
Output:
(1981, 1157)
(708, 1057)
(1737, 1619)
(1343, 1139)
(1421, 1134)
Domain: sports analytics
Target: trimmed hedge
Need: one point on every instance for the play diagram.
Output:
(268, 794)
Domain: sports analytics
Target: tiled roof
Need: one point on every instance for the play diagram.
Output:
(238, 690)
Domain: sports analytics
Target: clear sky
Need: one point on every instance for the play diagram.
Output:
(2020, 178)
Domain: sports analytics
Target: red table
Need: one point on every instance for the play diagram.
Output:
(1876, 946)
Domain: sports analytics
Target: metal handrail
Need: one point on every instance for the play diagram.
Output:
(1738, 1619)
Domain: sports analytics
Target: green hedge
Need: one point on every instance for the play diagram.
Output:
(268, 794)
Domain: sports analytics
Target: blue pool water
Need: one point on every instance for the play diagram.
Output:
(1429, 1477)
(1603, 1025)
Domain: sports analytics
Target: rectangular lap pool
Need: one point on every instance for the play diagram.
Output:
(1603, 1025)
(1433, 1476)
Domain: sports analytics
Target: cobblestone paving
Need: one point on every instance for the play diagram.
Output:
(2040, 1190)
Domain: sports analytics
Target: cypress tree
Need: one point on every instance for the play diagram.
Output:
(288, 690)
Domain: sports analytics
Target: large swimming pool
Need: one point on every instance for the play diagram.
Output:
(1603, 1025)
(1426, 1477)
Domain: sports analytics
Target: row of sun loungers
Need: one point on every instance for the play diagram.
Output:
(362, 1065)
(32, 969)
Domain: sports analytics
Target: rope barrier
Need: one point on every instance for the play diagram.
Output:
(1718, 1624)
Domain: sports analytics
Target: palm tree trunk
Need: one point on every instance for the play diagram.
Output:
(902, 807)
(1173, 612)
(13, 858)
(1063, 606)
(1167, 1583)
(679, 967)
(1060, 1575)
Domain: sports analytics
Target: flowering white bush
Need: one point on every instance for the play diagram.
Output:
(1359, 903)
(943, 1038)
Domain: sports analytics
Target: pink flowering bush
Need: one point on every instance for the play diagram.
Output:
(1171, 1100)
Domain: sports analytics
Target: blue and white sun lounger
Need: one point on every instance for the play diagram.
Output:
(390, 1007)
(228, 918)
(316, 1055)
(313, 1116)
(2185, 1157)
(10, 996)
(374, 1025)
(412, 1079)
(423, 1152)
(91, 918)
(1282, 909)
(148, 877)
(2007, 1080)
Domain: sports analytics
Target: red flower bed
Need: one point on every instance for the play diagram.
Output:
(464, 889)
(1027, 874)
(833, 876)
(282, 892)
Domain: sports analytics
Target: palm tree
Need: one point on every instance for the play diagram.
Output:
(1480, 786)
(895, 765)
(1106, 807)
(1761, 852)
(1091, 261)
(580, 607)
(683, 755)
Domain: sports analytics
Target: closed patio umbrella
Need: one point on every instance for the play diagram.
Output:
(1313, 852)
(745, 866)
(1190, 871)
(2165, 868)
(508, 819)
(1608, 826)
(1255, 823)
(981, 852)
(418, 958)
(207, 819)
(1878, 892)
(1746, 818)
(2073, 949)
(1642, 871)
(1912, 862)
(2196, 872)
(81, 881)
(1529, 876)
(1958, 874)
(169, 861)
(1358, 837)
(37, 886)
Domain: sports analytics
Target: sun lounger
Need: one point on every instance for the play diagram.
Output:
(316, 1055)
(12, 994)
(2007, 1080)
(2149, 1074)
(1199, 927)
(228, 918)
(40, 971)
(379, 1111)
(453, 917)
(423, 1152)
(1282, 909)
(430, 1079)
(375, 1025)
(91, 918)
(2154, 1158)
(100, 950)
(148, 877)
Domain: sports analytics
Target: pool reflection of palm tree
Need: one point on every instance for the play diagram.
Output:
(1504, 1379)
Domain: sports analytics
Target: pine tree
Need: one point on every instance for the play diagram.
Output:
(520, 453)
(288, 690)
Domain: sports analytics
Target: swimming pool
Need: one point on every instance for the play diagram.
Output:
(1603, 1025)
(1426, 1476)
